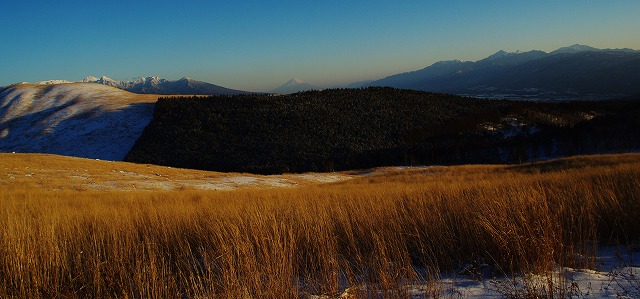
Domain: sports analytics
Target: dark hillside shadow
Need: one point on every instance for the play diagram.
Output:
(95, 134)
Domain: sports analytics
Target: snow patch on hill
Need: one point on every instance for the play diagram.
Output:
(79, 119)
(50, 82)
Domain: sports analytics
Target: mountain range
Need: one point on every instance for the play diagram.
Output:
(576, 71)
(155, 85)
(152, 85)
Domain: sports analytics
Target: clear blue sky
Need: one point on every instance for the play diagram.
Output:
(258, 45)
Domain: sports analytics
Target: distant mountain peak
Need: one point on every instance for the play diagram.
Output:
(497, 55)
(448, 62)
(292, 86)
(102, 80)
(294, 81)
(500, 53)
(89, 79)
(576, 48)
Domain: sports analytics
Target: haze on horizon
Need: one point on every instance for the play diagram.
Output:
(258, 45)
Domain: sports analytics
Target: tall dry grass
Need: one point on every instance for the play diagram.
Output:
(375, 235)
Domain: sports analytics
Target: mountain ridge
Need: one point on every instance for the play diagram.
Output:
(150, 85)
(580, 72)
(156, 85)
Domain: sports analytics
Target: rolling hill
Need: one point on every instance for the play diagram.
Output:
(75, 119)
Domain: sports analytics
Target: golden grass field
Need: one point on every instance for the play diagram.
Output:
(51, 172)
(374, 232)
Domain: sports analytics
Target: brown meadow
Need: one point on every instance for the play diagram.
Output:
(375, 234)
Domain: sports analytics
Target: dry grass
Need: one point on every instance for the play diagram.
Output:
(383, 231)
(51, 172)
(119, 96)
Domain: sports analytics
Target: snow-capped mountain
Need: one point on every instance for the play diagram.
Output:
(156, 85)
(78, 119)
(292, 86)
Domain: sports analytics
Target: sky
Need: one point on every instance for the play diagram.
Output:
(259, 45)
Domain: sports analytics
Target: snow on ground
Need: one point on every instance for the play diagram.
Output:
(50, 172)
(79, 119)
(322, 177)
(49, 82)
(615, 275)
(223, 183)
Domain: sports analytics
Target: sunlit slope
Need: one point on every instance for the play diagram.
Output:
(53, 172)
(79, 119)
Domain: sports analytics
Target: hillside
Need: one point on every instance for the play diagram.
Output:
(361, 128)
(79, 119)
(567, 73)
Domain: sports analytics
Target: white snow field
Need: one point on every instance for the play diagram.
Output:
(72, 119)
